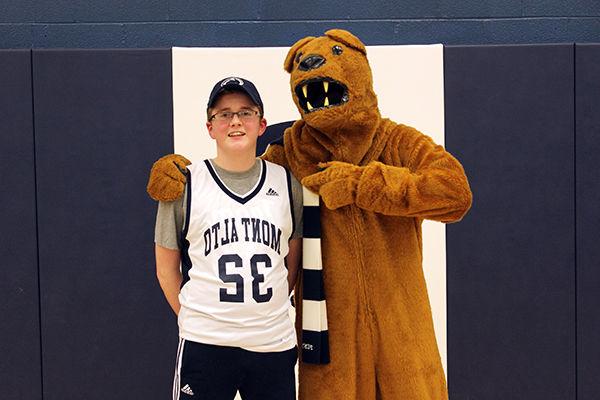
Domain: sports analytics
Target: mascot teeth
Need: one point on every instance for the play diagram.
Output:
(320, 93)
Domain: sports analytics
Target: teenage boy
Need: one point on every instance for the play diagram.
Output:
(233, 235)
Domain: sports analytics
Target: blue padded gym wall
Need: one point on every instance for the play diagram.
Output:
(20, 372)
(154, 23)
(587, 106)
(511, 265)
(102, 118)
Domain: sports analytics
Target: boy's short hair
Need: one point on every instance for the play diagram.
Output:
(231, 85)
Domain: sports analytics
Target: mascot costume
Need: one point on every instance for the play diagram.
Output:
(377, 180)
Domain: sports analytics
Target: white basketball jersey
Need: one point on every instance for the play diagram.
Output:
(235, 290)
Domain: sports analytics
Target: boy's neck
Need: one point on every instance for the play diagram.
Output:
(238, 163)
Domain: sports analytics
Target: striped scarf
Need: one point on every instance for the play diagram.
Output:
(315, 337)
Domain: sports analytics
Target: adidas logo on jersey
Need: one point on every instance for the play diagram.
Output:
(271, 192)
(187, 390)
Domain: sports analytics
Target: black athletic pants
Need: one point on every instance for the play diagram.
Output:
(216, 372)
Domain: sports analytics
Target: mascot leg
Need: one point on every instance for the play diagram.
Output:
(407, 358)
(351, 373)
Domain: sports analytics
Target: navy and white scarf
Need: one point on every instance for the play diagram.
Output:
(315, 336)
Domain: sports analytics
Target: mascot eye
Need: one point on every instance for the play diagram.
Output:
(337, 50)
(298, 56)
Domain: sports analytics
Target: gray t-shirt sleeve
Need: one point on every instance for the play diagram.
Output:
(170, 218)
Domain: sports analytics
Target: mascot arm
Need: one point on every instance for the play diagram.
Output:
(275, 153)
(417, 179)
(167, 178)
(168, 174)
(336, 184)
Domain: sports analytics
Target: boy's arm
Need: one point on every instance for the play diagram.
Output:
(169, 275)
(167, 237)
(293, 261)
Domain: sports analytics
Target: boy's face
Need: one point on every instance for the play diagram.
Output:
(236, 135)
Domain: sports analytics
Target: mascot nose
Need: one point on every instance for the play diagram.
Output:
(311, 62)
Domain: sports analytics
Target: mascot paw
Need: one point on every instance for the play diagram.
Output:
(167, 178)
(336, 184)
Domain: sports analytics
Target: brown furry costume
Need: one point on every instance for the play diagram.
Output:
(378, 181)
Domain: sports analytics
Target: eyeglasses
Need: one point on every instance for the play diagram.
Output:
(227, 116)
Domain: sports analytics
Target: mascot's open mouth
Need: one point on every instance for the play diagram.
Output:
(318, 93)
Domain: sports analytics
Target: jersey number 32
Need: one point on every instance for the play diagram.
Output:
(238, 296)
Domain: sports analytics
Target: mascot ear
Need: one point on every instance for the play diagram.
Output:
(288, 64)
(347, 38)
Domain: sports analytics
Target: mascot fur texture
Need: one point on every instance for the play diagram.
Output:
(378, 180)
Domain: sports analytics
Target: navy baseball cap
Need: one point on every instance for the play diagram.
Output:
(234, 83)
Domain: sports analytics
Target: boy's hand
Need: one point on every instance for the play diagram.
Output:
(167, 178)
